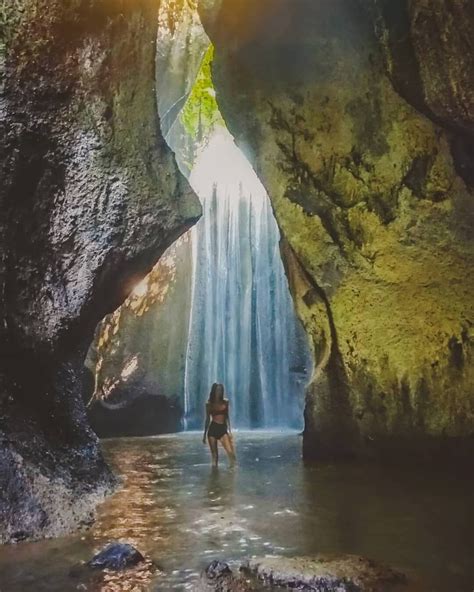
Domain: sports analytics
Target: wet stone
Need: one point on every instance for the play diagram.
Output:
(116, 556)
(344, 573)
(219, 577)
(217, 569)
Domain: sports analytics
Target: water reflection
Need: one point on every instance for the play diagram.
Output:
(182, 514)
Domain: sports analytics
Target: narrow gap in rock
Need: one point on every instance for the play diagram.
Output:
(216, 308)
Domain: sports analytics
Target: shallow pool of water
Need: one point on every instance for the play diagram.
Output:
(183, 514)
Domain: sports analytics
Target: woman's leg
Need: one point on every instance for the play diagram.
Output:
(214, 452)
(228, 447)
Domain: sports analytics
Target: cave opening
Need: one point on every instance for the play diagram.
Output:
(217, 306)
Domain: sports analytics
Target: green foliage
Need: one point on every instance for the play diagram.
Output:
(200, 115)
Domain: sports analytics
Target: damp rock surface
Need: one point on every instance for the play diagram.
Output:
(146, 337)
(90, 198)
(345, 573)
(116, 556)
(324, 573)
(141, 414)
(368, 169)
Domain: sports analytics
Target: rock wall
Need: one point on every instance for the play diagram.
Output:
(90, 199)
(150, 329)
(358, 119)
(139, 352)
(428, 54)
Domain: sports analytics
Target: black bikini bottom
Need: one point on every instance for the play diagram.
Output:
(217, 430)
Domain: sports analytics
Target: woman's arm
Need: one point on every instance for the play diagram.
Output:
(206, 423)
(228, 417)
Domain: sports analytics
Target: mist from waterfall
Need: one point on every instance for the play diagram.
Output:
(243, 330)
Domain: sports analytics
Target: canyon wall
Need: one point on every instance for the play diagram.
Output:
(357, 117)
(90, 199)
(138, 354)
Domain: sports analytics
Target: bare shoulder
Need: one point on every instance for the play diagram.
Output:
(226, 401)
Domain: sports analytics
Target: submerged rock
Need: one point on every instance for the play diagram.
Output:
(217, 569)
(116, 556)
(219, 577)
(345, 573)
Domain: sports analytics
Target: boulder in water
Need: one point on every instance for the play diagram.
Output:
(340, 573)
(116, 556)
(218, 577)
(217, 569)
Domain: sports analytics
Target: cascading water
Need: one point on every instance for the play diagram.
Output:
(243, 331)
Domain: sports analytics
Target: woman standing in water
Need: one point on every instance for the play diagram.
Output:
(217, 426)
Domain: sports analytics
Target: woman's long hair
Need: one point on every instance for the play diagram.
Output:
(217, 393)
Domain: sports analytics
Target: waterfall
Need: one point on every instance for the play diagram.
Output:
(243, 330)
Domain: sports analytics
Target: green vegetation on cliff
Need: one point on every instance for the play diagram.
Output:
(201, 114)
